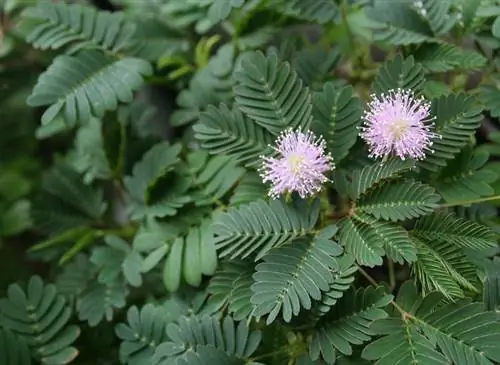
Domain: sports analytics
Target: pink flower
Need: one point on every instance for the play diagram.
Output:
(300, 165)
(398, 123)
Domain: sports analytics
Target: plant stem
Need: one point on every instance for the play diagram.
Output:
(467, 202)
(404, 314)
(392, 274)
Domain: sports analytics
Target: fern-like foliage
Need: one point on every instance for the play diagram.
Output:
(14, 349)
(399, 73)
(348, 323)
(86, 85)
(158, 161)
(321, 11)
(447, 57)
(404, 200)
(58, 25)
(219, 340)
(343, 278)
(214, 177)
(224, 131)
(362, 180)
(338, 113)
(398, 23)
(190, 257)
(257, 227)
(144, 330)
(271, 93)
(458, 231)
(65, 204)
(230, 288)
(457, 118)
(467, 177)
(220, 9)
(40, 316)
(250, 188)
(442, 263)
(291, 276)
(423, 330)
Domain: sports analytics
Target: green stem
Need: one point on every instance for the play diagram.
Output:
(467, 202)
(392, 274)
(269, 354)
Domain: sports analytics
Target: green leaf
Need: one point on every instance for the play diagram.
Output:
(58, 25)
(230, 287)
(291, 276)
(466, 178)
(156, 164)
(343, 277)
(458, 231)
(443, 266)
(447, 57)
(249, 189)
(489, 94)
(41, 317)
(90, 155)
(224, 131)
(399, 73)
(14, 349)
(428, 333)
(271, 93)
(314, 64)
(220, 9)
(100, 301)
(457, 118)
(65, 202)
(190, 257)
(257, 227)
(437, 14)
(361, 241)
(191, 336)
(75, 276)
(394, 239)
(399, 201)
(350, 324)
(87, 85)
(320, 11)
(338, 114)
(16, 219)
(362, 180)
(213, 176)
(144, 330)
(399, 23)
(117, 258)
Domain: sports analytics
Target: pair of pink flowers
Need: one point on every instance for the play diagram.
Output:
(395, 123)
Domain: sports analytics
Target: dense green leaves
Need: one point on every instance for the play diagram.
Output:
(209, 339)
(40, 316)
(227, 131)
(144, 330)
(87, 85)
(459, 333)
(399, 73)
(291, 276)
(338, 113)
(399, 201)
(271, 93)
(60, 25)
(457, 118)
(349, 323)
(255, 228)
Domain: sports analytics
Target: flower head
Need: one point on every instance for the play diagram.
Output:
(300, 165)
(398, 123)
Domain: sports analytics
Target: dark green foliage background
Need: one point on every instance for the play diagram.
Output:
(134, 228)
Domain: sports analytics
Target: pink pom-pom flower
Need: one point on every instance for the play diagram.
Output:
(398, 123)
(300, 165)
